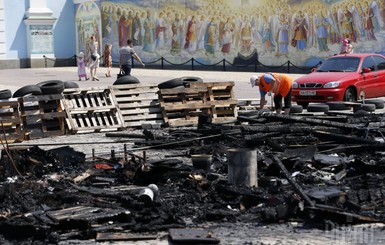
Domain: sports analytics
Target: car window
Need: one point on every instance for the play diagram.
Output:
(339, 64)
(369, 63)
(380, 62)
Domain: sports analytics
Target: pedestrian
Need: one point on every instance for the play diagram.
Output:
(93, 61)
(125, 55)
(278, 84)
(108, 59)
(81, 67)
(346, 47)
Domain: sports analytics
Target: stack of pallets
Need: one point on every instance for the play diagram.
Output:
(91, 110)
(181, 106)
(42, 116)
(11, 129)
(138, 104)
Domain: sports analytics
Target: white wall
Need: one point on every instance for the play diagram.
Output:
(3, 48)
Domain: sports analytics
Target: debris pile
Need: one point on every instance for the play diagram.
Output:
(313, 168)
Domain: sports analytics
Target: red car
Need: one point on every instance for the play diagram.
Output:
(347, 77)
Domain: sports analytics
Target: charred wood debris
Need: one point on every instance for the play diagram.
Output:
(314, 169)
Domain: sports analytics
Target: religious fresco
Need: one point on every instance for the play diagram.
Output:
(88, 23)
(302, 32)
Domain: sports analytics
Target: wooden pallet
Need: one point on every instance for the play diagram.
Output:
(139, 104)
(92, 110)
(182, 106)
(10, 122)
(43, 116)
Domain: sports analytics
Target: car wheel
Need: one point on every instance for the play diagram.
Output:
(296, 109)
(27, 90)
(317, 108)
(69, 84)
(303, 104)
(51, 87)
(379, 103)
(338, 106)
(126, 80)
(350, 95)
(5, 94)
(176, 82)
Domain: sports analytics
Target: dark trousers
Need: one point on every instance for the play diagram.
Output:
(126, 69)
(278, 101)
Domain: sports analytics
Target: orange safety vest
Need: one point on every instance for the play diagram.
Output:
(282, 84)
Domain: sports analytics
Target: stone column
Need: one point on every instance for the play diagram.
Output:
(39, 27)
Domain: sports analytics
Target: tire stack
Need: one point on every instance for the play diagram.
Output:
(41, 109)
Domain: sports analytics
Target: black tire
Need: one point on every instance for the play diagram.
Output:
(379, 103)
(317, 108)
(51, 87)
(5, 94)
(69, 84)
(187, 80)
(361, 113)
(126, 80)
(27, 90)
(350, 95)
(296, 109)
(338, 106)
(176, 82)
(365, 107)
(303, 104)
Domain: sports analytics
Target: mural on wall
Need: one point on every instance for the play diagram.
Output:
(88, 23)
(299, 31)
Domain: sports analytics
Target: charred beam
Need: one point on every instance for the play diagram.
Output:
(296, 128)
(289, 118)
(344, 139)
(297, 188)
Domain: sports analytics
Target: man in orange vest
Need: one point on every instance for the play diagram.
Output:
(279, 84)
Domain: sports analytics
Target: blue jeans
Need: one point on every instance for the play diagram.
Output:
(126, 69)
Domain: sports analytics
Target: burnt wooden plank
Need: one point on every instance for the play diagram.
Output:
(84, 213)
(123, 236)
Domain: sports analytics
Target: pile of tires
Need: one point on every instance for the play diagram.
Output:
(44, 88)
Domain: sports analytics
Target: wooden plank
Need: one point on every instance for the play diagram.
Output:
(123, 236)
(10, 121)
(142, 117)
(182, 90)
(42, 115)
(92, 109)
(138, 102)
(83, 213)
(138, 111)
(199, 105)
(139, 123)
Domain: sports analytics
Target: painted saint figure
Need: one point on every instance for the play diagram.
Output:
(149, 33)
(283, 36)
(300, 32)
